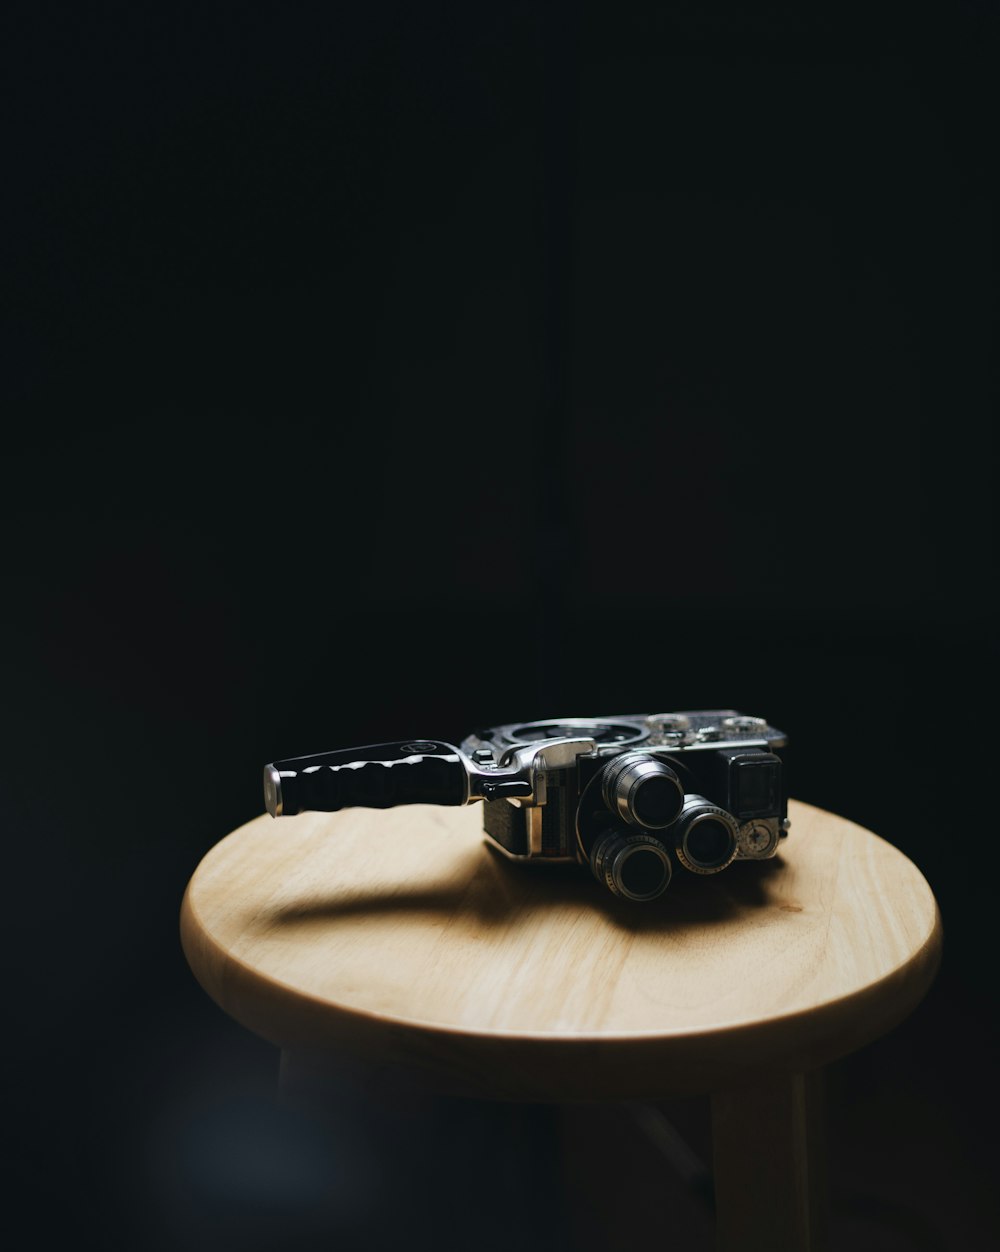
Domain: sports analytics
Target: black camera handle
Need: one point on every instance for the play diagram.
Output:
(380, 776)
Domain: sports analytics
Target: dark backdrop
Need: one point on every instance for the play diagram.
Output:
(386, 370)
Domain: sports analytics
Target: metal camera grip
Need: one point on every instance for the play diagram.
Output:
(380, 776)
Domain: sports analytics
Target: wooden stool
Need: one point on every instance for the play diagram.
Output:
(400, 936)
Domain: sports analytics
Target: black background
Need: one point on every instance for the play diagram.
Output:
(387, 370)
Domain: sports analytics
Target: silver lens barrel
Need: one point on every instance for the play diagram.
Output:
(643, 791)
(705, 836)
(636, 867)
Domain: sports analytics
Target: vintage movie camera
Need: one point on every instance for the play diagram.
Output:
(631, 796)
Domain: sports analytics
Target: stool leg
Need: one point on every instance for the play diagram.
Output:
(770, 1167)
(445, 1171)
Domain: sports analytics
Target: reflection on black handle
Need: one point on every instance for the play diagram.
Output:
(418, 771)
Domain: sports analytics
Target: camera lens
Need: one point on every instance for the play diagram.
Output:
(634, 866)
(708, 842)
(704, 836)
(642, 790)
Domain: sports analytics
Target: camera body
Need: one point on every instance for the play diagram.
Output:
(631, 795)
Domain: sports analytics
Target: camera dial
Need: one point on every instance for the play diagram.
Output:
(634, 866)
(642, 790)
(705, 836)
(668, 722)
(758, 839)
(743, 725)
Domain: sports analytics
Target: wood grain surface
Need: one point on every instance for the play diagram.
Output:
(402, 937)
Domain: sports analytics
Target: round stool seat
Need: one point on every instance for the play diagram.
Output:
(403, 937)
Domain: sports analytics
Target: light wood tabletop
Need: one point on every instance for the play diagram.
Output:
(403, 937)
